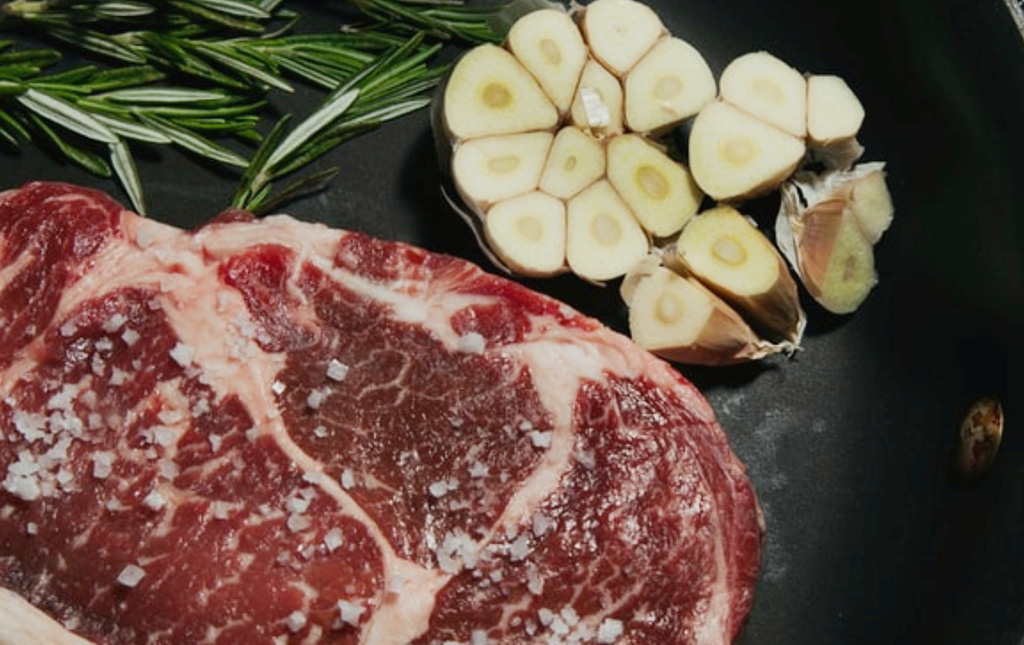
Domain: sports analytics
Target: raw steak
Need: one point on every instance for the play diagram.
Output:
(274, 432)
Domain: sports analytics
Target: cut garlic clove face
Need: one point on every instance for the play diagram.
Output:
(730, 255)
(490, 169)
(620, 32)
(871, 205)
(836, 262)
(576, 160)
(679, 319)
(734, 155)
(550, 46)
(834, 113)
(668, 311)
(769, 89)
(603, 239)
(672, 82)
(528, 234)
(598, 104)
(489, 93)
(659, 191)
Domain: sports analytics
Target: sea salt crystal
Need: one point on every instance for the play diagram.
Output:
(439, 488)
(333, 540)
(220, 510)
(570, 616)
(115, 322)
(296, 621)
(131, 575)
(350, 612)
(168, 469)
(29, 425)
(163, 435)
(170, 416)
(541, 524)
(118, 377)
(348, 479)
(24, 488)
(520, 548)
(545, 616)
(534, 582)
(585, 458)
(609, 631)
(277, 387)
(336, 370)
(297, 505)
(541, 439)
(478, 469)
(472, 343)
(154, 500)
(558, 626)
(130, 337)
(297, 522)
(182, 354)
(62, 400)
(316, 399)
(65, 478)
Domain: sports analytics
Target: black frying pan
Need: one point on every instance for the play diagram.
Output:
(871, 536)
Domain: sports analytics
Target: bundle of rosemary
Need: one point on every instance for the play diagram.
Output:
(196, 74)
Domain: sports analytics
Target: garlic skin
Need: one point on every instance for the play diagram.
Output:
(827, 227)
(681, 320)
(979, 437)
(726, 251)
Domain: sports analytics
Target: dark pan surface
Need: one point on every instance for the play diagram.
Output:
(871, 538)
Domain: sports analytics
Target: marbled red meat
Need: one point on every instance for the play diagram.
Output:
(274, 432)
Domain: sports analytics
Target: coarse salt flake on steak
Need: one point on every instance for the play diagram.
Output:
(275, 432)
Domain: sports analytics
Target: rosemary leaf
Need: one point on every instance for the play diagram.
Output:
(304, 155)
(237, 62)
(124, 166)
(150, 95)
(386, 113)
(193, 142)
(94, 42)
(13, 127)
(66, 115)
(332, 109)
(216, 16)
(133, 130)
(312, 183)
(38, 58)
(124, 10)
(234, 8)
(11, 87)
(7, 134)
(73, 76)
(121, 77)
(243, 191)
(87, 160)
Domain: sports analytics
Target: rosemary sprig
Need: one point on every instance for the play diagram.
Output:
(191, 73)
(81, 111)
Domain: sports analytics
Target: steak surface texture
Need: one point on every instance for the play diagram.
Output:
(275, 432)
